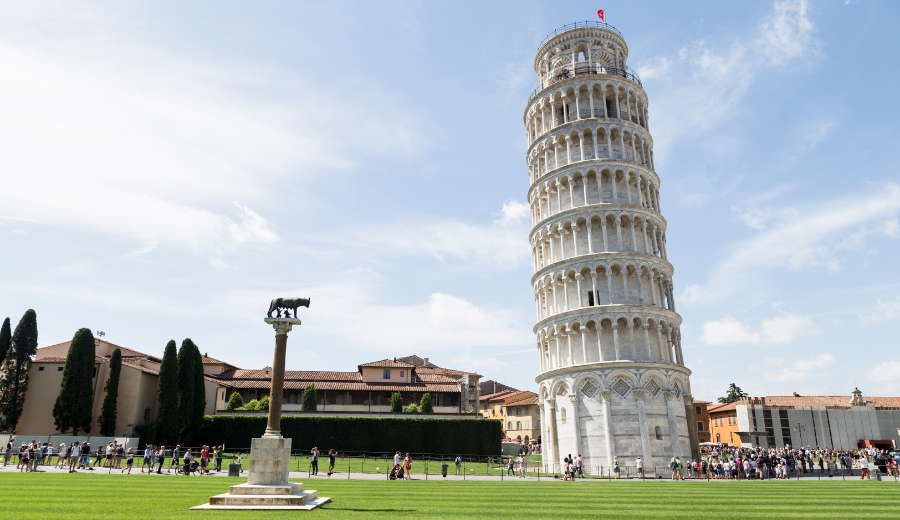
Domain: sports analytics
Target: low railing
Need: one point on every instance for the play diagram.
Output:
(566, 74)
(579, 25)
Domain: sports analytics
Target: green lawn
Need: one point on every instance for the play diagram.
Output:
(68, 497)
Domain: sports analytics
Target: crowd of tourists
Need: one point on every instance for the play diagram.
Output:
(781, 463)
(78, 455)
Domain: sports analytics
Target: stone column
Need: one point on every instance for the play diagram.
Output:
(640, 288)
(584, 186)
(609, 284)
(553, 455)
(609, 438)
(642, 421)
(576, 433)
(615, 188)
(282, 326)
(583, 332)
(600, 341)
(615, 331)
(594, 288)
(692, 426)
(625, 284)
(609, 148)
(575, 238)
(569, 347)
(605, 241)
(645, 328)
(619, 234)
(673, 424)
(589, 225)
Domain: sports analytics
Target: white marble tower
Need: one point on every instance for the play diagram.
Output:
(612, 376)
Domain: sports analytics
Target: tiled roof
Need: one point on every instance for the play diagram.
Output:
(499, 395)
(311, 376)
(388, 363)
(213, 361)
(344, 386)
(822, 400)
(699, 401)
(525, 402)
(97, 359)
(725, 407)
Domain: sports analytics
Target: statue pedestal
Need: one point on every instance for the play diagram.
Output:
(267, 484)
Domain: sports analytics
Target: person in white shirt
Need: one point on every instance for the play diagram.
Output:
(863, 467)
(640, 467)
(397, 459)
(76, 453)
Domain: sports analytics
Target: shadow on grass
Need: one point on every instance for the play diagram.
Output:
(368, 510)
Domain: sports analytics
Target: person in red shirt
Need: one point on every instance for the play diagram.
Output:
(204, 460)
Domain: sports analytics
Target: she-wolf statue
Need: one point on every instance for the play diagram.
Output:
(287, 304)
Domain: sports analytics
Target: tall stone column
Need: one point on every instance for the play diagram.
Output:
(692, 426)
(673, 423)
(576, 431)
(642, 420)
(609, 437)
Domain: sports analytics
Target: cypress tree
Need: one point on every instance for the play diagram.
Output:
(108, 413)
(72, 410)
(186, 386)
(5, 339)
(308, 403)
(14, 371)
(167, 393)
(235, 401)
(199, 409)
(425, 404)
(396, 402)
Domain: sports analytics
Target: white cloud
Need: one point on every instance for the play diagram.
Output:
(512, 213)
(884, 312)
(722, 77)
(882, 379)
(777, 330)
(777, 369)
(480, 364)
(801, 238)
(151, 146)
(814, 134)
(652, 68)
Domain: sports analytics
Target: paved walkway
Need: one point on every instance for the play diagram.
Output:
(303, 475)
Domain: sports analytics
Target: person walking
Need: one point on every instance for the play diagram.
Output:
(187, 460)
(314, 461)
(204, 460)
(616, 469)
(10, 446)
(678, 469)
(331, 456)
(639, 464)
(407, 462)
(523, 469)
(458, 464)
(160, 459)
(509, 466)
(579, 466)
(176, 455)
(863, 467)
(240, 462)
(220, 454)
(73, 460)
(129, 460)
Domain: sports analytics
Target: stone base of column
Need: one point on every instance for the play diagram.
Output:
(267, 484)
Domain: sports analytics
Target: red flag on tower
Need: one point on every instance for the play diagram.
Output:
(601, 14)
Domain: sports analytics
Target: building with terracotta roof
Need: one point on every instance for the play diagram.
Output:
(723, 425)
(499, 405)
(137, 401)
(523, 420)
(701, 417)
(368, 390)
(838, 422)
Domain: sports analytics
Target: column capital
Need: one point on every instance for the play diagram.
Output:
(605, 395)
(551, 402)
(670, 396)
(638, 394)
(688, 399)
(282, 325)
(578, 276)
(573, 398)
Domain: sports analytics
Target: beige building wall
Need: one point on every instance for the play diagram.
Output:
(376, 375)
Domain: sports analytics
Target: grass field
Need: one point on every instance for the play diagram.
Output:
(81, 496)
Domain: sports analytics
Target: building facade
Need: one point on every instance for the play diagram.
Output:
(701, 419)
(612, 378)
(723, 424)
(500, 405)
(523, 420)
(368, 390)
(835, 422)
(137, 400)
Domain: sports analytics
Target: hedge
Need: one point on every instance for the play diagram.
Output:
(361, 434)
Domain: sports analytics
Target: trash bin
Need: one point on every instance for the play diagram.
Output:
(444, 466)
(877, 475)
(234, 470)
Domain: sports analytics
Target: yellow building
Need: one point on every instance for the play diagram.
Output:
(137, 401)
(497, 406)
(523, 420)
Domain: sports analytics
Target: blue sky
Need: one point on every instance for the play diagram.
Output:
(167, 168)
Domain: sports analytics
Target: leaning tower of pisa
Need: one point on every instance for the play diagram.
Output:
(612, 378)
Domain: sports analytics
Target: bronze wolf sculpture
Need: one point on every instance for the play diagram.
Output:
(287, 304)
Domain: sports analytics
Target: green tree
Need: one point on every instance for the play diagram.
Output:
(5, 340)
(264, 403)
(72, 410)
(396, 402)
(235, 401)
(412, 408)
(199, 409)
(14, 371)
(167, 393)
(253, 405)
(308, 403)
(734, 394)
(186, 386)
(109, 413)
(425, 403)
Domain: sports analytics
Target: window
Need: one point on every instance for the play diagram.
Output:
(590, 298)
(564, 416)
(60, 369)
(401, 373)
(718, 438)
(147, 414)
(537, 425)
(518, 411)
(436, 400)
(729, 420)
(40, 369)
(700, 426)
(698, 410)
(518, 425)
(658, 433)
(387, 373)
(509, 425)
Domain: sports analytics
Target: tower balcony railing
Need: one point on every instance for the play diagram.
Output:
(585, 71)
(579, 25)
